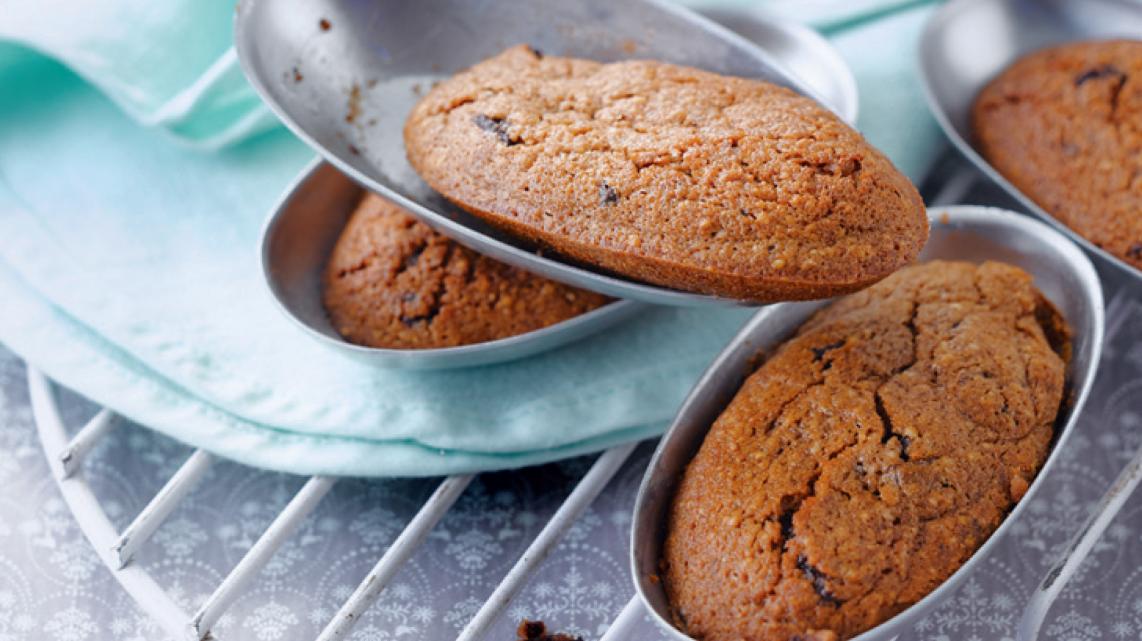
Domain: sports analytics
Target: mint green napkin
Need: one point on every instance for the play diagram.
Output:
(128, 263)
(168, 64)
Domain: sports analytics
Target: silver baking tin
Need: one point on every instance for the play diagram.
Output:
(966, 43)
(1061, 271)
(296, 243)
(388, 51)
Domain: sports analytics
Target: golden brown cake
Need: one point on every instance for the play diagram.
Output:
(1064, 125)
(868, 457)
(393, 282)
(667, 174)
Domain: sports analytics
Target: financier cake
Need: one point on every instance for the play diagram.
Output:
(1064, 125)
(868, 457)
(667, 174)
(393, 282)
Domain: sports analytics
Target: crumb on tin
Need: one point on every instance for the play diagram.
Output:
(354, 103)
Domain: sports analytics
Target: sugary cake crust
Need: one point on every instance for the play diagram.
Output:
(668, 174)
(1064, 125)
(393, 282)
(868, 457)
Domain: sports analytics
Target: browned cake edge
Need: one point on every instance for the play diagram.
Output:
(674, 275)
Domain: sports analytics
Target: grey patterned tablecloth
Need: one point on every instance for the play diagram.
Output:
(53, 586)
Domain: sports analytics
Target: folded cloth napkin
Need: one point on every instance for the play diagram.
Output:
(128, 262)
(168, 64)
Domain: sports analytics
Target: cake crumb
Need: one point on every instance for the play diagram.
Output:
(537, 631)
(354, 103)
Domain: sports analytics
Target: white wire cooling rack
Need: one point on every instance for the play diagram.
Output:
(116, 549)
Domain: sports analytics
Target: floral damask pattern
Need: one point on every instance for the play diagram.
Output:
(54, 588)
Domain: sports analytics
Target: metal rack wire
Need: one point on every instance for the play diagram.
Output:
(117, 549)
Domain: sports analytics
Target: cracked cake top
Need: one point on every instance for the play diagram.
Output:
(868, 457)
(668, 174)
(393, 282)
